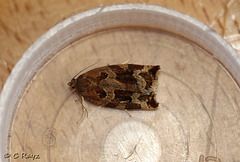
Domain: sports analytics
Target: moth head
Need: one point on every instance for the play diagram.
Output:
(73, 83)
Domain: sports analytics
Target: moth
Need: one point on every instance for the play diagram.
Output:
(122, 86)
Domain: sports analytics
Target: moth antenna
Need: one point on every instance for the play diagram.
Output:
(84, 106)
(85, 69)
(81, 100)
(54, 120)
(128, 113)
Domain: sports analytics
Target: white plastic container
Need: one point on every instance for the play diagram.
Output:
(100, 19)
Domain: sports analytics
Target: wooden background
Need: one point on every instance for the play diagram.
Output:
(23, 21)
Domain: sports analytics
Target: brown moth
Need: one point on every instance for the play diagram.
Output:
(123, 86)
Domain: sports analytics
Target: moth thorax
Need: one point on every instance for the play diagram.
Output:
(83, 85)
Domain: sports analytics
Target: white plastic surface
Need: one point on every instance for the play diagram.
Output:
(98, 19)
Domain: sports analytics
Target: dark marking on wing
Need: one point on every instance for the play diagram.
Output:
(135, 67)
(123, 76)
(154, 70)
(148, 78)
(122, 95)
(100, 92)
(144, 97)
(111, 105)
(132, 106)
(103, 75)
(126, 77)
(152, 102)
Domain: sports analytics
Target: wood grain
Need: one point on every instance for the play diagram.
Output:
(22, 22)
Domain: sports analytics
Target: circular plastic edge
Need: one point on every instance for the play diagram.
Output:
(21, 74)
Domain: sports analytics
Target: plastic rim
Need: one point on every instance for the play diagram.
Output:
(88, 22)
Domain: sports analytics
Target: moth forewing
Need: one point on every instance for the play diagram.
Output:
(122, 86)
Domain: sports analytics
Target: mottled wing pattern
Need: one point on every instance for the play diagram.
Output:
(124, 86)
